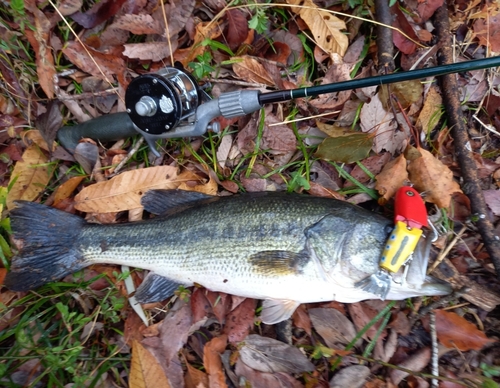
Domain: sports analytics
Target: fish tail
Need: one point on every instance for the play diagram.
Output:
(47, 240)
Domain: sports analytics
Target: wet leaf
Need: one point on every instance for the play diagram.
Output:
(213, 362)
(99, 13)
(345, 149)
(269, 355)
(124, 191)
(332, 326)
(39, 40)
(325, 28)
(431, 176)
(454, 330)
(392, 177)
(31, 176)
(145, 371)
(249, 69)
(237, 30)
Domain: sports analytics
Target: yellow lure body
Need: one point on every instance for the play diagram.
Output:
(400, 245)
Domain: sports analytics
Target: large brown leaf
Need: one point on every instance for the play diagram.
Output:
(138, 24)
(455, 331)
(392, 177)
(145, 371)
(250, 70)
(237, 30)
(124, 191)
(431, 176)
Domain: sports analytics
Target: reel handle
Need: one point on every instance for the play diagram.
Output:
(110, 127)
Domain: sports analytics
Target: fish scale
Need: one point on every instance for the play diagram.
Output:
(285, 249)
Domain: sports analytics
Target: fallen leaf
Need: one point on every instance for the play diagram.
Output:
(431, 176)
(345, 149)
(223, 150)
(240, 320)
(329, 102)
(416, 362)
(67, 188)
(204, 30)
(49, 122)
(487, 30)
(155, 51)
(405, 45)
(492, 198)
(374, 164)
(68, 7)
(237, 30)
(426, 8)
(263, 379)
(138, 24)
(213, 363)
(302, 320)
(325, 28)
(431, 112)
(34, 136)
(99, 13)
(455, 331)
(145, 372)
(39, 40)
(361, 313)
(29, 177)
(353, 376)
(392, 177)
(108, 65)
(195, 378)
(277, 137)
(333, 326)
(124, 191)
(406, 92)
(249, 69)
(375, 119)
(86, 154)
(272, 356)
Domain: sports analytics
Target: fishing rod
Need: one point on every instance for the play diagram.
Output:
(170, 103)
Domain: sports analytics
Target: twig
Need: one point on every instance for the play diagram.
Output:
(385, 47)
(445, 251)
(435, 353)
(131, 153)
(463, 152)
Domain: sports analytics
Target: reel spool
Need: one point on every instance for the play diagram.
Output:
(157, 103)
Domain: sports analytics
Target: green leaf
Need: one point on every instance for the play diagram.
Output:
(345, 149)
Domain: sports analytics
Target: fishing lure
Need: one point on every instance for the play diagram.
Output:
(410, 216)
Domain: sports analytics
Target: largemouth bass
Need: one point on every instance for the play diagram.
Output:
(286, 249)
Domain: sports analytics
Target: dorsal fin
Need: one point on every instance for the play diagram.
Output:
(163, 202)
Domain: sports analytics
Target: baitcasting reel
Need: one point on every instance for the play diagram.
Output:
(170, 104)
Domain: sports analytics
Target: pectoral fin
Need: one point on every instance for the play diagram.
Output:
(155, 288)
(275, 311)
(276, 263)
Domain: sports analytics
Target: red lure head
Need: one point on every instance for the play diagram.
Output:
(410, 208)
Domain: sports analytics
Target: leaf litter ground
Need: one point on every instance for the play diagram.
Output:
(356, 145)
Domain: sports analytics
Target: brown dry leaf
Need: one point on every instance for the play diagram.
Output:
(492, 198)
(263, 379)
(204, 30)
(250, 70)
(213, 362)
(400, 41)
(361, 313)
(240, 320)
(431, 176)
(375, 119)
(325, 28)
(124, 191)
(278, 137)
(138, 24)
(34, 136)
(155, 51)
(416, 362)
(406, 92)
(302, 320)
(145, 372)
(329, 102)
(100, 12)
(393, 176)
(187, 177)
(29, 177)
(374, 164)
(426, 8)
(333, 326)
(487, 30)
(68, 7)
(195, 378)
(39, 40)
(454, 330)
(67, 188)
(109, 64)
(431, 112)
